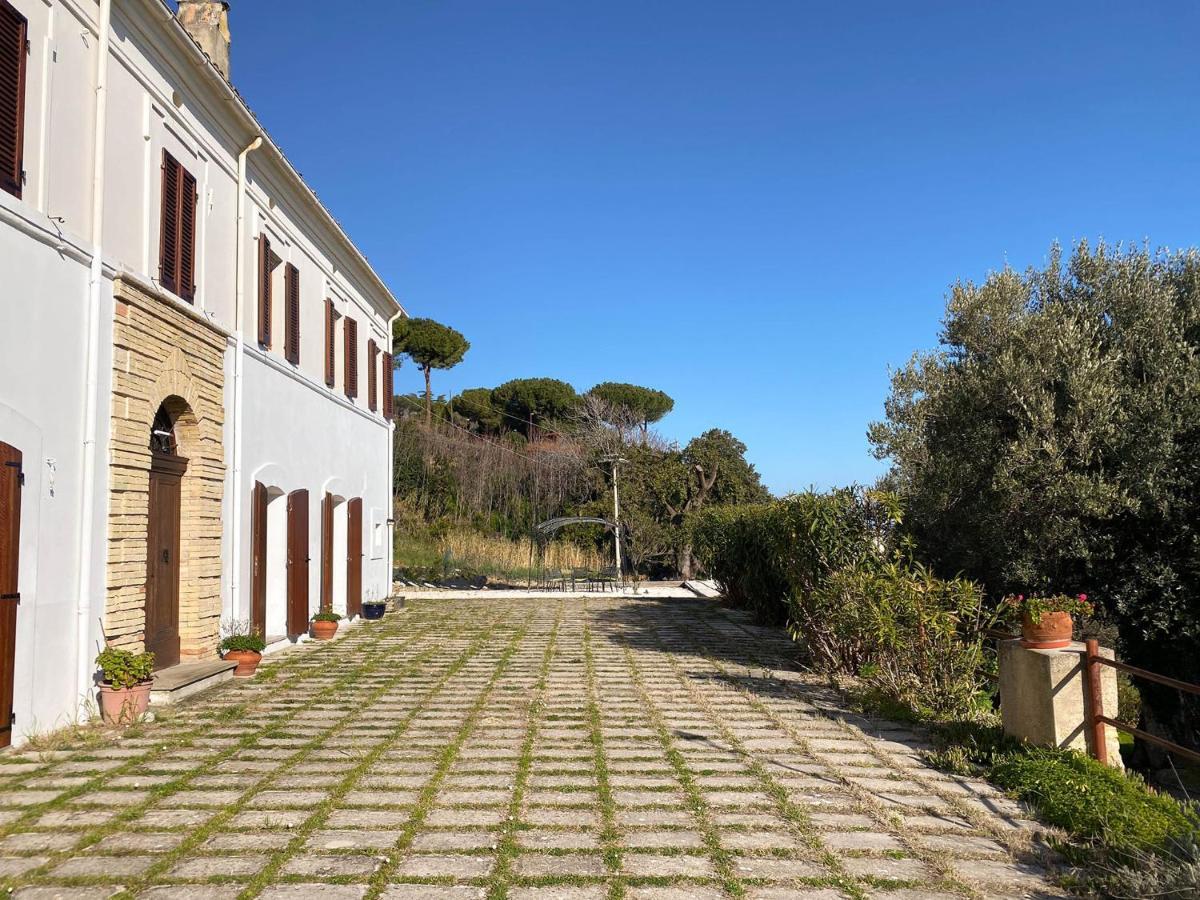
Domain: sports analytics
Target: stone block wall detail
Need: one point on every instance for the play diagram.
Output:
(163, 354)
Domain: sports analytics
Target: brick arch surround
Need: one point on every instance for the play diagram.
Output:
(162, 354)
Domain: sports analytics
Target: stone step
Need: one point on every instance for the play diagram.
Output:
(173, 684)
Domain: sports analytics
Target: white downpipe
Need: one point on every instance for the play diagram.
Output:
(91, 313)
(390, 384)
(239, 293)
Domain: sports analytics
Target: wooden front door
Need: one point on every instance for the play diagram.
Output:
(354, 555)
(258, 553)
(162, 559)
(297, 563)
(11, 481)
(327, 552)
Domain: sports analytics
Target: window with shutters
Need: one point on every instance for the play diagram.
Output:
(330, 342)
(387, 385)
(14, 39)
(291, 332)
(267, 263)
(351, 328)
(372, 374)
(177, 234)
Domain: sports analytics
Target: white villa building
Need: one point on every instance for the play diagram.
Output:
(195, 388)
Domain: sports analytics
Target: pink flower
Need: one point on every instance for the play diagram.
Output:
(1083, 597)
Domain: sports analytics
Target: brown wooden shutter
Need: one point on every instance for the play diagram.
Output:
(10, 547)
(387, 386)
(354, 556)
(291, 341)
(264, 291)
(372, 374)
(168, 243)
(187, 236)
(330, 346)
(177, 235)
(297, 562)
(14, 36)
(351, 328)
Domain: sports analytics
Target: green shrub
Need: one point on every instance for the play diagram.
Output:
(124, 668)
(914, 637)
(831, 566)
(739, 547)
(1102, 805)
(326, 615)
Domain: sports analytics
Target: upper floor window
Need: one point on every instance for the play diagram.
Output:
(291, 314)
(177, 237)
(330, 342)
(267, 263)
(388, 398)
(14, 44)
(351, 328)
(372, 374)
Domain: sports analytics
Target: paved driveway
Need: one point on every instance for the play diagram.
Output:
(524, 748)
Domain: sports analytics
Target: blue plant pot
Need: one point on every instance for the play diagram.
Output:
(374, 610)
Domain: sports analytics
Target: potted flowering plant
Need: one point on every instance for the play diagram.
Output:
(1047, 623)
(244, 645)
(325, 624)
(125, 680)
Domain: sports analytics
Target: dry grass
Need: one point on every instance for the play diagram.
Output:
(502, 555)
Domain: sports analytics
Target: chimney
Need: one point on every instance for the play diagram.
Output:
(207, 21)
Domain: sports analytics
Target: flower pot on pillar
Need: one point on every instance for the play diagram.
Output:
(1051, 631)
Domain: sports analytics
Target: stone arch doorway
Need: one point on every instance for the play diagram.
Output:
(164, 507)
(167, 376)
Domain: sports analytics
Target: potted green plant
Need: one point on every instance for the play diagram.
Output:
(1047, 623)
(125, 680)
(244, 645)
(325, 624)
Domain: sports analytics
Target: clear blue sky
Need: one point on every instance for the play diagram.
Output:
(756, 207)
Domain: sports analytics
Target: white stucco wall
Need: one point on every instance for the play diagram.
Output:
(302, 438)
(42, 383)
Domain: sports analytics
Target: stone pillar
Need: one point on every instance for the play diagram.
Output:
(1042, 697)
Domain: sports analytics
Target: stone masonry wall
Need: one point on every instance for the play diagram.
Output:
(161, 353)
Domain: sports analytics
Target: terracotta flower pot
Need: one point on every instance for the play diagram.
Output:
(1051, 632)
(247, 661)
(124, 706)
(323, 631)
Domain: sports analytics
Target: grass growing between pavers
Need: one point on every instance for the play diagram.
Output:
(940, 862)
(721, 858)
(514, 748)
(321, 814)
(507, 848)
(445, 760)
(129, 815)
(610, 836)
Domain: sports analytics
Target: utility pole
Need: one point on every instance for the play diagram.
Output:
(615, 461)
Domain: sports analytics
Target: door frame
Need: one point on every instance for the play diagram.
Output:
(258, 558)
(327, 552)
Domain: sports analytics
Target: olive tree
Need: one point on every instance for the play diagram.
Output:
(1052, 443)
(431, 345)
